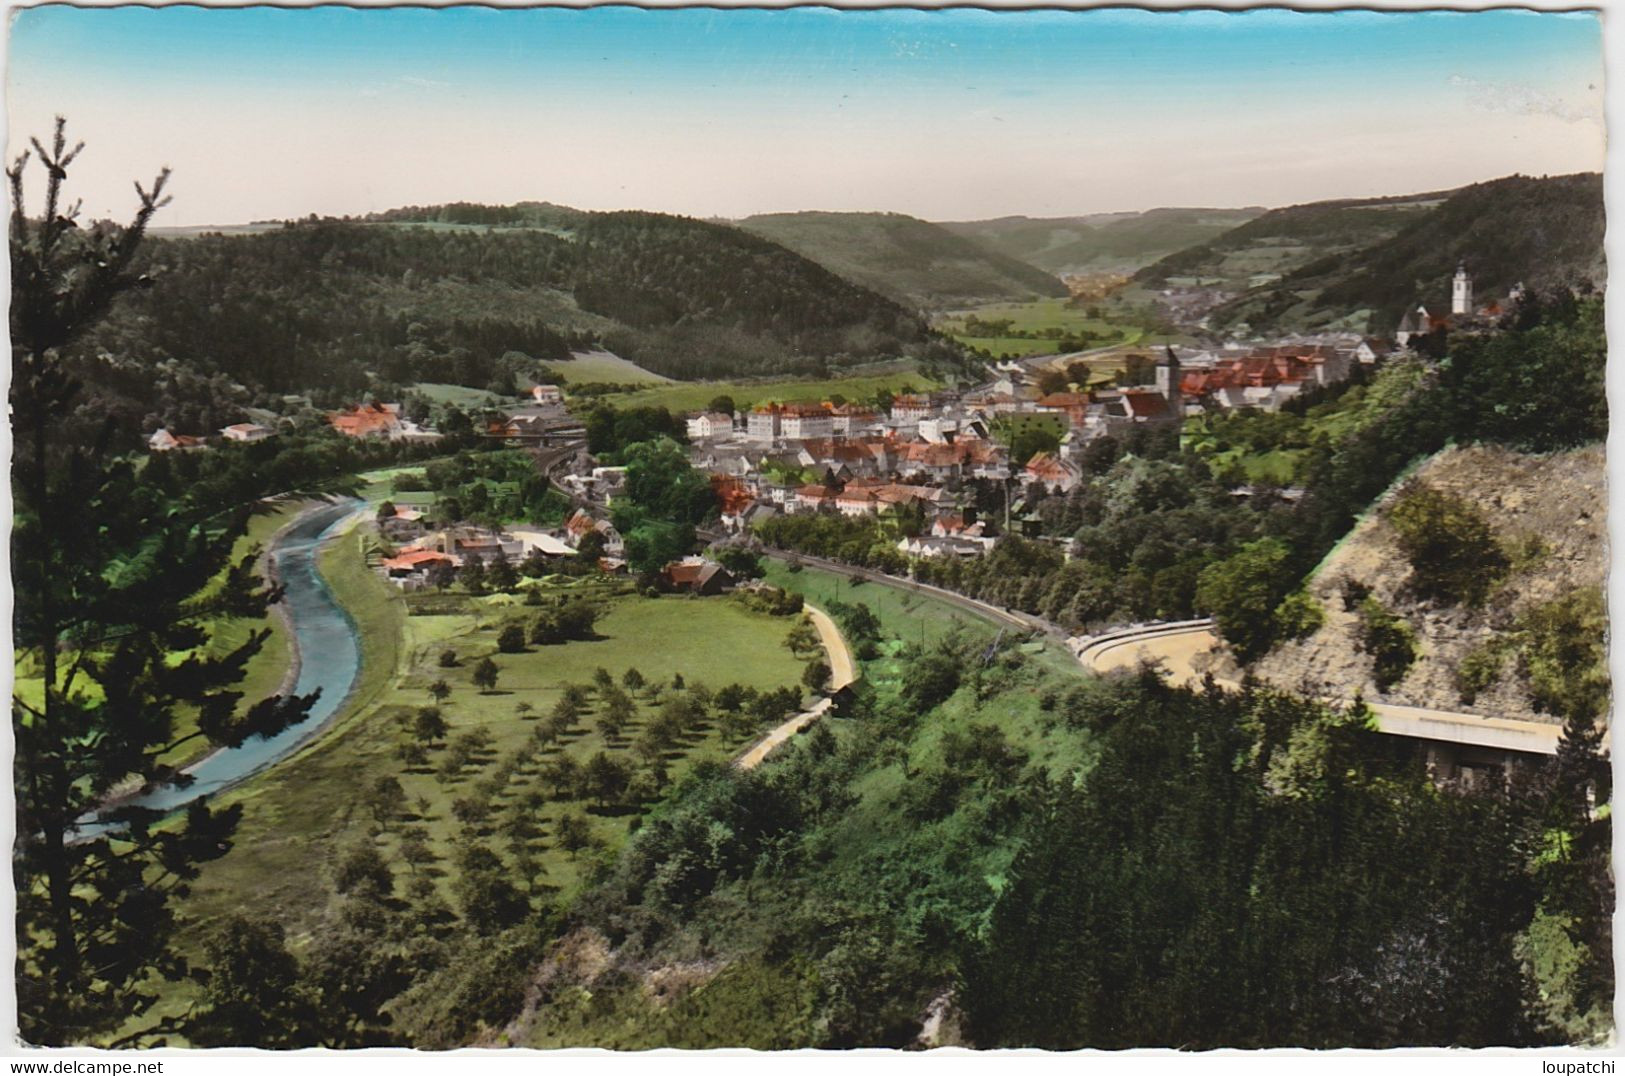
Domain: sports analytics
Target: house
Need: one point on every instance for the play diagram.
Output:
(543, 542)
(953, 525)
(707, 425)
(854, 457)
(406, 525)
(368, 420)
(935, 546)
(733, 497)
(164, 441)
(581, 523)
(696, 575)
(1053, 471)
(247, 431)
(1371, 349)
(910, 409)
(547, 394)
(811, 498)
(461, 542)
(409, 569)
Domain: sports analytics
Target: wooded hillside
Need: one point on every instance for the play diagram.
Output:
(917, 263)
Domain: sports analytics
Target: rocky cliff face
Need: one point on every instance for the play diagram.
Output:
(1549, 512)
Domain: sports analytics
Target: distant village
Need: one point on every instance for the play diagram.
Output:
(854, 459)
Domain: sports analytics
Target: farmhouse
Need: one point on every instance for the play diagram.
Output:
(247, 432)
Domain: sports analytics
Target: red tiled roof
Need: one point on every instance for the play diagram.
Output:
(1145, 404)
(364, 419)
(411, 558)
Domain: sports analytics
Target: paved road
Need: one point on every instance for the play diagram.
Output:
(1178, 647)
(843, 670)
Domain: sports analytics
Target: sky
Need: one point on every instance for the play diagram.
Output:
(267, 113)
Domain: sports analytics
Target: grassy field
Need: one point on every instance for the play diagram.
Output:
(905, 615)
(604, 366)
(379, 486)
(1034, 316)
(999, 346)
(460, 395)
(696, 395)
(1037, 316)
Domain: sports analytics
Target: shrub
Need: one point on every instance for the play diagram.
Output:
(1564, 654)
(512, 639)
(1298, 616)
(448, 659)
(1390, 642)
(1452, 548)
(1480, 668)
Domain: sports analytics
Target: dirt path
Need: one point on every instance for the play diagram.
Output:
(843, 671)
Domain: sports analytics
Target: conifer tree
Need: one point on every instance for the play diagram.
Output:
(111, 628)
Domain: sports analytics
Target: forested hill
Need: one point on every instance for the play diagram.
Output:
(333, 308)
(1102, 241)
(1283, 240)
(1541, 232)
(917, 263)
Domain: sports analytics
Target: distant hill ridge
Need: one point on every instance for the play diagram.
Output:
(1360, 263)
(1102, 242)
(914, 261)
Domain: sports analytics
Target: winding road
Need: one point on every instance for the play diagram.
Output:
(843, 671)
(1177, 646)
(327, 654)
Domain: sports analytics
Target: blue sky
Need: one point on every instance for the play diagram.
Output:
(947, 114)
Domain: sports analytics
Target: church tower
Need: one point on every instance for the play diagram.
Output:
(1461, 292)
(1168, 378)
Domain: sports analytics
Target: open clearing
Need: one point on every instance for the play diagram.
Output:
(588, 366)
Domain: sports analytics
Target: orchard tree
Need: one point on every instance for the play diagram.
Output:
(429, 725)
(111, 581)
(485, 675)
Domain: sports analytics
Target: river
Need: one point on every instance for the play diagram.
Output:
(328, 650)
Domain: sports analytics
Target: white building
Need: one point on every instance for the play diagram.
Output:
(708, 425)
(801, 423)
(763, 423)
(247, 431)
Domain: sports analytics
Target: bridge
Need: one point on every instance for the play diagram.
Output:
(1456, 743)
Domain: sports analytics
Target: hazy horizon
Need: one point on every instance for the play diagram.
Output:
(952, 115)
